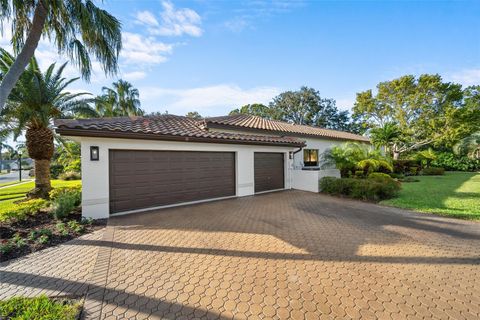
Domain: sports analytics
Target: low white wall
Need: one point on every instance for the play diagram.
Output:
(307, 180)
(95, 174)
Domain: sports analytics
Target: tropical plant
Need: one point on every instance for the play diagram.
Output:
(36, 100)
(121, 100)
(469, 146)
(78, 28)
(386, 136)
(425, 157)
(351, 156)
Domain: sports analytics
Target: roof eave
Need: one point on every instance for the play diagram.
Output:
(151, 136)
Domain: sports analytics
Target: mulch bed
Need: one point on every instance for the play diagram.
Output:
(42, 220)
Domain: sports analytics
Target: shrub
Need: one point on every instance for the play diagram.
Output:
(433, 171)
(64, 204)
(5, 247)
(410, 179)
(62, 229)
(379, 176)
(452, 162)
(18, 241)
(75, 190)
(43, 239)
(22, 210)
(397, 175)
(403, 166)
(376, 189)
(70, 175)
(75, 226)
(56, 170)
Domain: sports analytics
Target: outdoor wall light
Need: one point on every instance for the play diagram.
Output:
(94, 153)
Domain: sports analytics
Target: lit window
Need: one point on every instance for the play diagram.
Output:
(310, 157)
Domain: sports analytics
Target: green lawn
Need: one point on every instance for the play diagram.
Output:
(14, 193)
(39, 308)
(456, 194)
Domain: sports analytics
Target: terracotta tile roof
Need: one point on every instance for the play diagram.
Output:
(240, 121)
(165, 127)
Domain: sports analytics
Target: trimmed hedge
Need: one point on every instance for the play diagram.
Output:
(376, 188)
(407, 167)
(433, 171)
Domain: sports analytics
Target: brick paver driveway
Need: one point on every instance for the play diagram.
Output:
(287, 255)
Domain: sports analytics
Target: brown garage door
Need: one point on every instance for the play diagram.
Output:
(269, 171)
(142, 179)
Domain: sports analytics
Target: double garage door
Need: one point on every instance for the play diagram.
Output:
(143, 179)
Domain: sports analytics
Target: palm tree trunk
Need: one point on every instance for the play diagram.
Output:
(21, 62)
(42, 179)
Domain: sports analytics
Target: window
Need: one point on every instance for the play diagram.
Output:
(310, 157)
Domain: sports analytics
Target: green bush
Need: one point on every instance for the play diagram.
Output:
(75, 226)
(62, 229)
(74, 166)
(70, 175)
(38, 308)
(43, 239)
(433, 171)
(379, 176)
(451, 162)
(397, 175)
(56, 170)
(375, 189)
(5, 248)
(410, 179)
(22, 210)
(404, 166)
(76, 190)
(64, 203)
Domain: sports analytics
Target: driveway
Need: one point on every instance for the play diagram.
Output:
(285, 255)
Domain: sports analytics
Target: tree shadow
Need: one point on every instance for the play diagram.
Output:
(168, 310)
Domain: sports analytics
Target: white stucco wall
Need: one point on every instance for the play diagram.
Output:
(95, 174)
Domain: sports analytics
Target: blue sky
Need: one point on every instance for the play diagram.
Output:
(213, 56)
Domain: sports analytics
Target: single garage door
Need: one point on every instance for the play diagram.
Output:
(143, 179)
(269, 171)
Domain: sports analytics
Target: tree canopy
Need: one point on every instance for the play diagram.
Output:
(120, 100)
(426, 111)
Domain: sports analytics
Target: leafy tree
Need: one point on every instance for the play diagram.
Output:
(77, 27)
(121, 100)
(194, 115)
(426, 111)
(255, 109)
(35, 101)
(352, 156)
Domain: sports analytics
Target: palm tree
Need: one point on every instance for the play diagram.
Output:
(35, 101)
(77, 27)
(121, 100)
(469, 146)
(351, 156)
(387, 136)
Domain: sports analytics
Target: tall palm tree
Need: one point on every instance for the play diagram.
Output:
(387, 136)
(77, 27)
(35, 101)
(469, 146)
(121, 100)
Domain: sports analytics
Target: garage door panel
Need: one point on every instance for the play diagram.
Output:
(269, 171)
(142, 179)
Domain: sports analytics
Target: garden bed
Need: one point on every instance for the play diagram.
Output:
(27, 234)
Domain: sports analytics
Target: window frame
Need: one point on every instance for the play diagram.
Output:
(307, 154)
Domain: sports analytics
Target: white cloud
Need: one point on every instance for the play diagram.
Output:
(466, 77)
(211, 100)
(173, 22)
(237, 24)
(147, 18)
(134, 75)
(144, 50)
(345, 103)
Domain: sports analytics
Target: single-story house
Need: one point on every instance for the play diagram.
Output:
(131, 164)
